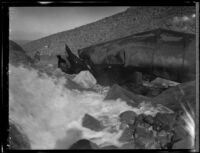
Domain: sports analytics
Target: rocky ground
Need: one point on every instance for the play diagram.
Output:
(166, 130)
(131, 21)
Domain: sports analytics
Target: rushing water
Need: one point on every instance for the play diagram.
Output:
(51, 113)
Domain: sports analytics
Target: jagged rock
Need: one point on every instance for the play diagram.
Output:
(76, 64)
(130, 98)
(179, 132)
(64, 65)
(91, 123)
(85, 79)
(136, 88)
(83, 144)
(17, 139)
(164, 82)
(128, 117)
(185, 94)
(183, 144)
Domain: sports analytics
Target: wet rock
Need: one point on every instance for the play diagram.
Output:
(127, 135)
(154, 91)
(164, 139)
(128, 117)
(148, 119)
(84, 144)
(91, 123)
(142, 131)
(64, 64)
(136, 77)
(164, 121)
(164, 82)
(129, 145)
(139, 144)
(77, 65)
(183, 144)
(184, 93)
(110, 147)
(179, 133)
(129, 97)
(136, 88)
(17, 139)
(85, 79)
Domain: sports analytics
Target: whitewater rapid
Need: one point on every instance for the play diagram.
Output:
(50, 113)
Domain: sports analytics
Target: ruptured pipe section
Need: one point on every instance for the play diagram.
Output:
(163, 53)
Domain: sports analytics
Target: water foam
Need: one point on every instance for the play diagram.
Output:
(51, 114)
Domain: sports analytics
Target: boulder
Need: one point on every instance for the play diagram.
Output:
(110, 147)
(17, 138)
(174, 97)
(92, 123)
(128, 117)
(183, 144)
(83, 144)
(136, 88)
(85, 79)
(164, 82)
(165, 121)
(130, 98)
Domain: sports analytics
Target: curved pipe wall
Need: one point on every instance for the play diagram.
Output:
(164, 53)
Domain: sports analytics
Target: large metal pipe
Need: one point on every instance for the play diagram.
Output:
(163, 53)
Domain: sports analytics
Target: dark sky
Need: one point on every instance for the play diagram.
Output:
(29, 23)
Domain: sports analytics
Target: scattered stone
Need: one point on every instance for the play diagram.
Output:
(180, 133)
(91, 123)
